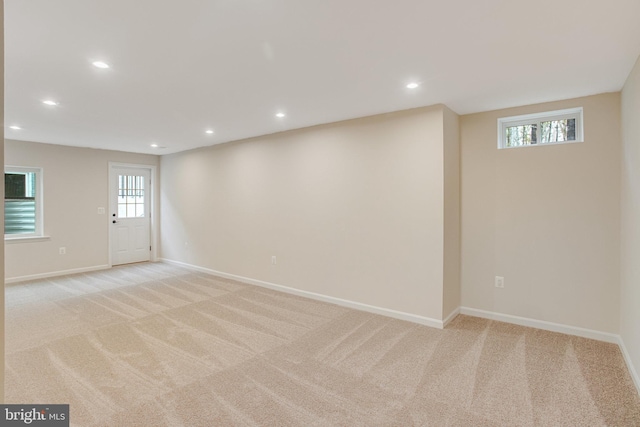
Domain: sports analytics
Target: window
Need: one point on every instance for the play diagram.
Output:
(130, 196)
(22, 202)
(552, 127)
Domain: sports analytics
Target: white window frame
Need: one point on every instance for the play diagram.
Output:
(537, 119)
(39, 198)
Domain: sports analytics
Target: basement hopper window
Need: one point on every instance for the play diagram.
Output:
(549, 128)
(22, 202)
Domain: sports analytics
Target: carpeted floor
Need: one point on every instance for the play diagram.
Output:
(155, 345)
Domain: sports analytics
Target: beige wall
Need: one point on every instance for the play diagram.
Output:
(545, 218)
(75, 185)
(451, 297)
(630, 255)
(352, 210)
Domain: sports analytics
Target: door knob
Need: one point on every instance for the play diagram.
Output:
(114, 221)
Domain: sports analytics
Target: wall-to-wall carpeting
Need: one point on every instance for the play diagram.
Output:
(155, 344)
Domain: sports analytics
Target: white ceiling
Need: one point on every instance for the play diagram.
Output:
(181, 67)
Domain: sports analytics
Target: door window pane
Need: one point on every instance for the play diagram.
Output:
(131, 196)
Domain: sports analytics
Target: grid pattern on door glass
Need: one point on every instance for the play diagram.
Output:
(130, 196)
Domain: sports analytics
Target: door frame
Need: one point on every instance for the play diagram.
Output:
(154, 206)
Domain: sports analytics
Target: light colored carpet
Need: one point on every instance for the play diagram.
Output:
(155, 345)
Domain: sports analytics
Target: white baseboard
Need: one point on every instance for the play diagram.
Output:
(434, 323)
(450, 317)
(17, 279)
(542, 324)
(632, 369)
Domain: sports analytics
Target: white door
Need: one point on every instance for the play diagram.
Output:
(130, 215)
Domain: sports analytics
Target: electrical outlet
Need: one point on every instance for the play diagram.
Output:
(499, 282)
(62, 251)
(273, 260)
(100, 211)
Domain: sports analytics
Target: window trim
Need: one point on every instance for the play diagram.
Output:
(28, 239)
(537, 119)
(39, 200)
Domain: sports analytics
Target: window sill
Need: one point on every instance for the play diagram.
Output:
(29, 239)
(542, 144)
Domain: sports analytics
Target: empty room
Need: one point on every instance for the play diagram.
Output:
(336, 213)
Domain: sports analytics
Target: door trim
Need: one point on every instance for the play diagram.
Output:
(153, 203)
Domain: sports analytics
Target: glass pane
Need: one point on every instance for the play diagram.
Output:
(30, 190)
(130, 196)
(558, 131)
(521, 135)
(19, 216)
(15, 185)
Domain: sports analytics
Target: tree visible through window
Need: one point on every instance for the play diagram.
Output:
(521, 135)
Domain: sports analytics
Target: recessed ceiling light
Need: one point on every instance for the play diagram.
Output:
(412, 85)
(209, 131)
(154, 145)
(50, 102)
(280, 115)
(100, 64)
(15, 127)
